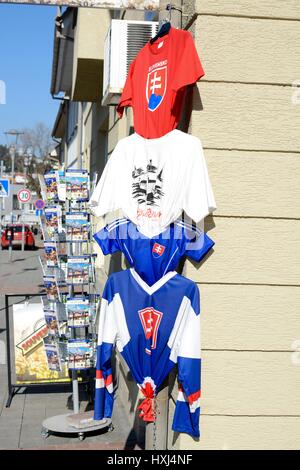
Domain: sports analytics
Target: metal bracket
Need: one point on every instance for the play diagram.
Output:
(171, 7)
(59, 35)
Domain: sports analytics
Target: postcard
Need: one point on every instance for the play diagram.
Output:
(51, 254)
(51, 321)
(78, 270)
(51, 288)
(51, 186)
(61, 185)
(78, 312)
(77, 226)
(80, 354)
(77, 185)
(52, 353)
(53, 220)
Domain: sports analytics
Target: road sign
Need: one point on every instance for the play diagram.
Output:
(24, 195)
(39, 204)
(39, 212)
(4, 188)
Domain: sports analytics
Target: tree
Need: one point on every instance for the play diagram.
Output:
(38, 143)
(38, 140)
(4, 155)
(3, 151)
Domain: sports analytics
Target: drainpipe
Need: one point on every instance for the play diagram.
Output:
(80, 135)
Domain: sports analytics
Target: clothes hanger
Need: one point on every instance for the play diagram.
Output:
(165, 26)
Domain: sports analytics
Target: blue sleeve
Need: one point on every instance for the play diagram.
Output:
(107, 240)
(104, 393)
(104, 398)
(198, 246)
(187, 410)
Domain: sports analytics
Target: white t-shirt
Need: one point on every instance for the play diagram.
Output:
(153, 180)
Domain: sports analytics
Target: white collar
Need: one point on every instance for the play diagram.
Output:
(156, 286)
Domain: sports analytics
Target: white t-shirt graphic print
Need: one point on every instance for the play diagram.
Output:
(153, 180)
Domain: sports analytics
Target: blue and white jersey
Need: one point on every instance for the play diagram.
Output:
(154, 257)
(154, 328)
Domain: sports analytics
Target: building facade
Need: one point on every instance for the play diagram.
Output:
(246, 113)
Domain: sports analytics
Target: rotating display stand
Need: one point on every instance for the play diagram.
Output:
(60, 424)
(70, 263)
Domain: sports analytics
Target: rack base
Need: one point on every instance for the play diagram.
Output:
(59, 424)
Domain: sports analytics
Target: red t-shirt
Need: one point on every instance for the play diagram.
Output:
(156, 81)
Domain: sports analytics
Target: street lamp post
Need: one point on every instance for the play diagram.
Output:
(15, 134)
(2, 168)
(27, 159)
(12, 152)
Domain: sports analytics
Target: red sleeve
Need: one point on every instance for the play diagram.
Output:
(127, 95)
(189, 70)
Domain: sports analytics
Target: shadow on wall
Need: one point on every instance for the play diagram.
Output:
(192, 102)
(115, 263)
(137, 434)
(209, 225)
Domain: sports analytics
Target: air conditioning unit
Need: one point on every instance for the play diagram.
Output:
(123, 41)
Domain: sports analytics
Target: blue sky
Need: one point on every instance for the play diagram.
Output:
(26, 45)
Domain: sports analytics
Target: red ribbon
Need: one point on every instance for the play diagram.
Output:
(146, 407)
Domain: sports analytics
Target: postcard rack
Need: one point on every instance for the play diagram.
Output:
(69, 280)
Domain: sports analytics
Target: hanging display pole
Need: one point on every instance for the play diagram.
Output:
(157, 432)
(75, 388)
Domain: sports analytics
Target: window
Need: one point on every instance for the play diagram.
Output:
(72, 119)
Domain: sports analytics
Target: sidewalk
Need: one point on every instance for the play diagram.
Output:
(20, 425)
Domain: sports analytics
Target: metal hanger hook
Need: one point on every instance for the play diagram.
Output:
(169, 8)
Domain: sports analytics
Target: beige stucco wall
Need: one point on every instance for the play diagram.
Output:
(249, 286)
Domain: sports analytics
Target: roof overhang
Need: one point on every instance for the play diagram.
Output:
(91, 28)
(60, 125)
(63, 49)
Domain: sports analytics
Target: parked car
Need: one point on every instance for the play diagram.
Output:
(15, 230)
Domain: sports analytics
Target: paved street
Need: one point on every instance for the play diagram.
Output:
(20, 425)
(23, 274)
